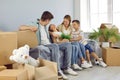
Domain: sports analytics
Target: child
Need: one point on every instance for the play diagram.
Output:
(75, 35)
(76, 53)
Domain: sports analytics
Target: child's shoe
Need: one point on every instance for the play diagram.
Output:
(76, 67)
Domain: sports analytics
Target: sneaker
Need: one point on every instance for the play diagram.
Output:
(76, 67)
(97, 62)
(101, 63)
(90, 63)
(85, 65)
(70, 71)
(63, 75)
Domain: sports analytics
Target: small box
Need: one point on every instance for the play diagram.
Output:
(111, 56)
(8, 42)
(12, 74)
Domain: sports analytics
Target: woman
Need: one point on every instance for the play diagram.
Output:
(66, 26)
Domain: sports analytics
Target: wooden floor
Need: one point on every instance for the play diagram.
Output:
(98, 73)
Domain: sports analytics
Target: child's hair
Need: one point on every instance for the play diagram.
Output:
(77, 21)
(49, 28)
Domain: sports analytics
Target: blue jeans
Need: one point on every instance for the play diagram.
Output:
(66, 49)
(74, 58)
(81, 52)
(88, 47)
(81, 49)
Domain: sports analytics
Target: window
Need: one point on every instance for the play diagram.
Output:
(98, 13)
(116, 13)
(95, 12)
(84, 21)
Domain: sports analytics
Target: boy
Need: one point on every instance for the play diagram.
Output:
(77, 37)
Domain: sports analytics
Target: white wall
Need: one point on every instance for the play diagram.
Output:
(14, 13)
(76, 9)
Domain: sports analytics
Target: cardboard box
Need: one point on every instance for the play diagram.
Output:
(12, 74)
(111, 56)
(108, 26)
(2, 68)
(27, 37)
(46, 71)
(17, 66)
(8, 42)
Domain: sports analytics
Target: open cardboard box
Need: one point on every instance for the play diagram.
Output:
(47, 70)
(108, 26)
(13, 74)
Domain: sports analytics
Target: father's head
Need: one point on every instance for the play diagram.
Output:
(46, 17)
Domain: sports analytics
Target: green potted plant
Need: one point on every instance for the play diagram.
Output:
(105, 35)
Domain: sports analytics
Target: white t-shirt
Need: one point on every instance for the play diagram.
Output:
(58, 33)
(44, 38)
(76, 34)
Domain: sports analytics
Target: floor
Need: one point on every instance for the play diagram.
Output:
(98, 73)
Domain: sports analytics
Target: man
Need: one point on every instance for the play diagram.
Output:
(43, 39)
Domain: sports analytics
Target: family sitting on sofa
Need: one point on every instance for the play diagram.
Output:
(74, 49)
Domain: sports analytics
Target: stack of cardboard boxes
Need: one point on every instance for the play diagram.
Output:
(12, 40)
(111, 56)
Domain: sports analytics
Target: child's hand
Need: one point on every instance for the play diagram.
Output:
(55, 35)
(65, 40)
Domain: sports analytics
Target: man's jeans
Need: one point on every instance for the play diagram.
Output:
(66, 49)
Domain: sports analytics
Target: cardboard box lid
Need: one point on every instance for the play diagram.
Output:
(13, 74)
(27, 37)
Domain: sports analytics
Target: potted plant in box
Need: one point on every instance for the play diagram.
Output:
(107, 36)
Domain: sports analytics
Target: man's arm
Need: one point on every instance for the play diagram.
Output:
(24, 27)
